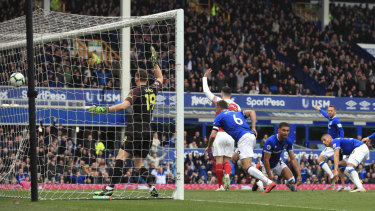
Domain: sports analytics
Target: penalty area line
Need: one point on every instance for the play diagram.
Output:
(264, 204)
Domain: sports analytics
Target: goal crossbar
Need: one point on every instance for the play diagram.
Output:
(50, 37)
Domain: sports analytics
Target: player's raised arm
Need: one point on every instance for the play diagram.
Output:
(154, 57)
(207, 90)
(325, 114)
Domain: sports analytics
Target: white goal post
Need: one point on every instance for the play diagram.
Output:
(50, 26)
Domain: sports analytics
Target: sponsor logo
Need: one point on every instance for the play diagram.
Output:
(364, 105)
(200, 101)
(4, 95)
(320, 103)
(172, 100)
(160, 100)
(351, 105)
(266, 101)
(47, 95)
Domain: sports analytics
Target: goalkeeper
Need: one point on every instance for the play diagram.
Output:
(138, 135)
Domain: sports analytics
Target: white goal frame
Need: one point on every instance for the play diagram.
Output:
(178, 15)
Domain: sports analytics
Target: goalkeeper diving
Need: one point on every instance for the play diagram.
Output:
(138, 135)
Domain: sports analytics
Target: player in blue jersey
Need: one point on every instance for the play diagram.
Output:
(273, 147)
(336, 131)
(355, 151)
(234, 123)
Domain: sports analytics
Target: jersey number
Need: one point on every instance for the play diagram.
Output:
(150, 100)
(237, 120)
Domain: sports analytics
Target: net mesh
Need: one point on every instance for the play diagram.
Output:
(77, 65)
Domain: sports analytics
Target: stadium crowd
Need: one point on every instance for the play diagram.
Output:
(237, 49)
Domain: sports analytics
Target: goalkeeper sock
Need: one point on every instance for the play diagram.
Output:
(117, 173)
(227, 167)
(219, 173)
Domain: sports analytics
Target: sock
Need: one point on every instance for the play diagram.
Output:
(146, 176)
(258, 174)
(260, 185)
(227, 168)
(326, 168)
(291, 181)
(117, 173)
(353, 175)
(219, 173)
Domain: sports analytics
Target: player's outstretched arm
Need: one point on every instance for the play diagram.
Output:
(95, 110)
(325, 114)
(154, 57)
(367, 139)
(295, 166)
(207, 90)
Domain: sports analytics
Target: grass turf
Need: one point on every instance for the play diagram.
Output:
(212, 200)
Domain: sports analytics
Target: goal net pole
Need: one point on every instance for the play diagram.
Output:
(32, 94)
(179, 194)
(125, 6)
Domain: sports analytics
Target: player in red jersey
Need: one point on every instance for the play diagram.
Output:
(223, 145)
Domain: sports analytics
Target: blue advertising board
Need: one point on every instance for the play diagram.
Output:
(196, 100)
(193, 101)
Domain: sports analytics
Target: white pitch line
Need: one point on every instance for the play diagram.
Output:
(264, 204)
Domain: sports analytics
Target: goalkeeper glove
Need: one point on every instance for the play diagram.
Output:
(154, 57)
(94, 110)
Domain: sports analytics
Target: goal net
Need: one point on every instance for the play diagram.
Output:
(79, 62)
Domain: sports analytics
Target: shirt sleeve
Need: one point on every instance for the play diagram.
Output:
(133, 95)
(290, 145)
(339, 127)
(336, 144)
(268, 146)
(372, 136)
(325, 114)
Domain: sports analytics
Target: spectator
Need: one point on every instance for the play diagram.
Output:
(155, 159)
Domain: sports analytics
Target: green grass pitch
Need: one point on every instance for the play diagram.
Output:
(212, 200)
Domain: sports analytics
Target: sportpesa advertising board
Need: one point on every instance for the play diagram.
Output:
(196, 100)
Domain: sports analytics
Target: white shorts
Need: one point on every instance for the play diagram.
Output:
(327, 152)
(223, 145)
(277, 169)
(246, 145)
(358, 155)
